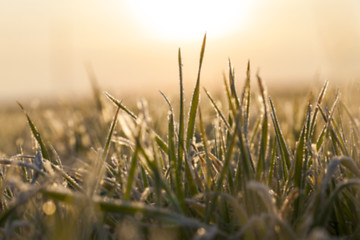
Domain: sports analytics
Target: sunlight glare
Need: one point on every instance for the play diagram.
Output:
(189, 19)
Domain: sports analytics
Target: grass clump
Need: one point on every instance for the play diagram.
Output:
(211, 173)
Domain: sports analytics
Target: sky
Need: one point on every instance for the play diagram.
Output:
(132, 45)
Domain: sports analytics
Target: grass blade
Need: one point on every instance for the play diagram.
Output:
(272, 164)
(131, 174)
(118, 103)
(321, 219)
(232, 112)
(208, 174)
(232, 86)
(195, 100)
(245, 100)
(285, 155)
(191, 121)
(320, 98)
(174, 163)
(247, 162)
(217, 109)
(181, 115)
(36, 134)
(109, 136)
(298, 170)
(224, 170)
(127, 208)
(264, 134)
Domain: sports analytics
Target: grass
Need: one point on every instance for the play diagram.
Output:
(221, 169)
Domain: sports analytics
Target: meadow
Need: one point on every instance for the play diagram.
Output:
(238, 164)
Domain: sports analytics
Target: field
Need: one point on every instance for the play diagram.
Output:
(235, 164)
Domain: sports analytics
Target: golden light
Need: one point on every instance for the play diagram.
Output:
(189, 19)
(49, 208)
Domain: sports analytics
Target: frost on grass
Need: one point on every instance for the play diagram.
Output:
(225, 168)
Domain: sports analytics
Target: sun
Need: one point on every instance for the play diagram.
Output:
(189, 19)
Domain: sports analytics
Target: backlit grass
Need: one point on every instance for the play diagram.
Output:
(228, 168)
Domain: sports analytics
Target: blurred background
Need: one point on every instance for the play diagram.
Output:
(132, 44)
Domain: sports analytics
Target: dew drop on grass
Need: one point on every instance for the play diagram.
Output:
(49, 208)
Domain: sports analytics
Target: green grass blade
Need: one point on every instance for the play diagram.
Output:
(321, 138)
(128, 208)
(285, 155)
(68, 178)
(272, 164)
(298, 171)
(264, 134)
(131, 173)
(191, 120)
(156, 172)
(321, 218)
(109, 136)
(36, 134)
(217, 109)
(320, 98)
(232, 113)
(299, 168)
(224, 170)
(174, 163)
(191, 178)
(161, 143)
(181, 115)
(260, 169)
(208, 174)
(333, 130)
(232, 86)
(323, 210)
(118, 103)
(247, 162)
(195, 100)
(245, 99)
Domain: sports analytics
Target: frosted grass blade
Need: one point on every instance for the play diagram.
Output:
(181, 116)
(191, 121)
(208, 175)
(285, 155)
(173, 160)
(224, 170)
(320, 98)
(131, 174)
(232, 86)
(272, 163)
(298, 171)
(195, 100)
(128, 208)
(217, 109)
(321, 218)
(109, 136)
(118, 103)
(245, 99)
(264, 134)
(36, 134)
(232, 113)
